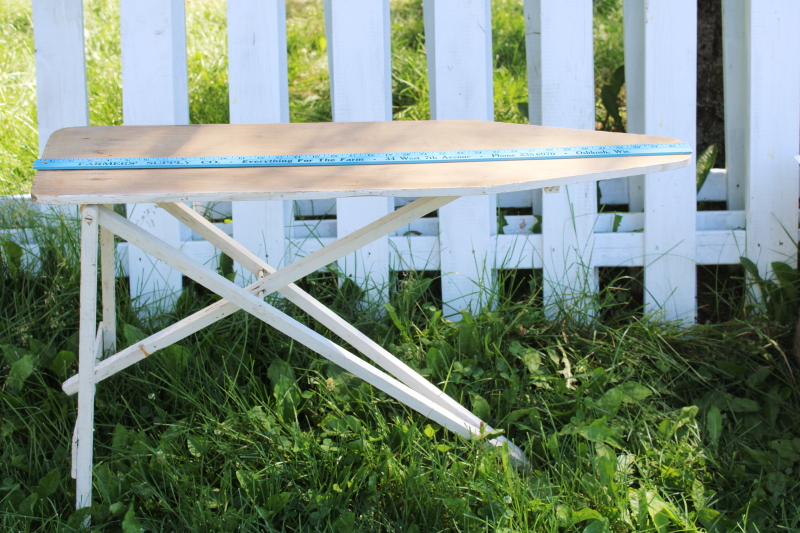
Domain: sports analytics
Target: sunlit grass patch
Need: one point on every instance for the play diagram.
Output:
(103, 62)
(309, 91)
(18, 129)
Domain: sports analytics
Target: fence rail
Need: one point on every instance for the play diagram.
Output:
(664, 233)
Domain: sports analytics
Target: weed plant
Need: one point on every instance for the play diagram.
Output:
(629, 425)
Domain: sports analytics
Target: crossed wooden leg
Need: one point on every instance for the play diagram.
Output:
(87, 354)
(409, 388)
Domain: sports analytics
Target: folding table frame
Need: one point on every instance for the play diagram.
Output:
(436, 184)
(407, 386)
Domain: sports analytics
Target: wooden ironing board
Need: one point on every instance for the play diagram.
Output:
(437, 184)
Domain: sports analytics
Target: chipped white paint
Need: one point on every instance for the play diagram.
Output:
(108, 269)
(761, 185)
(269, 284)
(415, 392)
(87, 355)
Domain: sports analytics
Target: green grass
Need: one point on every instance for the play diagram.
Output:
(238, 428)
(18, 135)
(608, 52)
(629, 425)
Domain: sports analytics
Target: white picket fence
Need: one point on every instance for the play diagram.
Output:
(664, 232)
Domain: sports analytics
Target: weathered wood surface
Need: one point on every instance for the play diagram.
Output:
(246, 300)
(459, 52)
(434, 179)
(107, 289)
(319, 312)
(266, 285)
(87, 356)
(762, 106)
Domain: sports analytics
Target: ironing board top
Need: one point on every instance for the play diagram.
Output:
(286, 183)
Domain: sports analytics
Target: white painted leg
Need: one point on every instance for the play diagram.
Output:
(98, 345)
(108, 276)
(74, 467)
(249, 302)
(84, 428)
(352, 242)
(337, 325)
(158, 341)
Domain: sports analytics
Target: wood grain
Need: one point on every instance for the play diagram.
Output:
(439, 179)
(242, 298)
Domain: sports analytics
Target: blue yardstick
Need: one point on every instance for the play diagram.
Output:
(376, 158)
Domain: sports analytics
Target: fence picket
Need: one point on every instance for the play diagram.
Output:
(458, 40)
(760, 183)
(734, 53)
(154, 77)
(634, 25)
(669, 109)
(61, 96)
(359, 63)
(562, 78)
(259, 93)
(773, 114)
